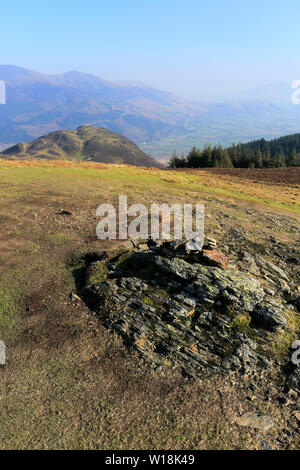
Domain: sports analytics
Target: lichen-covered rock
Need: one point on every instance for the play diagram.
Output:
(270, 314)
(258, 265)
(182, 315)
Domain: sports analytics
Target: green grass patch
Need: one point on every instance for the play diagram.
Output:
(61, 238)
(8, 314)
(97, 273)
(241, 323)
(149, 301)
(157, 291)
(282, 339)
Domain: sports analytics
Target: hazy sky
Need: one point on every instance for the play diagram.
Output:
(194, 48)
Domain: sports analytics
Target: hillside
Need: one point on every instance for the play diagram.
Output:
(73, 369)
(158, 121)
(85, 143)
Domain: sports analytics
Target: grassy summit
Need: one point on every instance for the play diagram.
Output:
(86, 143)
(69, 383)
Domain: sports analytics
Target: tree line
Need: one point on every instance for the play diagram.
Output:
(276, 153)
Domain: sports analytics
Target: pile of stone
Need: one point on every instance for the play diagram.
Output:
(192, 250)
(212, 243)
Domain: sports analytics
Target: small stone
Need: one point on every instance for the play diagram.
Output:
(143, 246)
(293, 395)
(269, 291)
(212, 247)
(215, 257)
(139, 241)
(194, 245)
(270, 315)
(256, 420)
(64, 212)
(75, 297)
(297, 415)
(212, 244)
(128, 245)
(264, 444)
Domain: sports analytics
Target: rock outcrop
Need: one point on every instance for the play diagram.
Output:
(181, 311)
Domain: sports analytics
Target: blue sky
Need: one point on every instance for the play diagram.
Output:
(194, 48)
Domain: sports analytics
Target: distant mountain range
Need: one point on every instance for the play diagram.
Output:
(276, 93)
(87, 143)
(156, 120)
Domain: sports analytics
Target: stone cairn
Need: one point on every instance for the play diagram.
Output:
(212, 243)
(207, 253)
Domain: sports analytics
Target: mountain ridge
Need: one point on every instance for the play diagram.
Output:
(156, 120)
(38, 103)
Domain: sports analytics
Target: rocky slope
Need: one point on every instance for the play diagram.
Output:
(189, 311)
(86, 143)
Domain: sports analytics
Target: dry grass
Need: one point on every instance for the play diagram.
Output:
(68, 382)
(58, 164)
